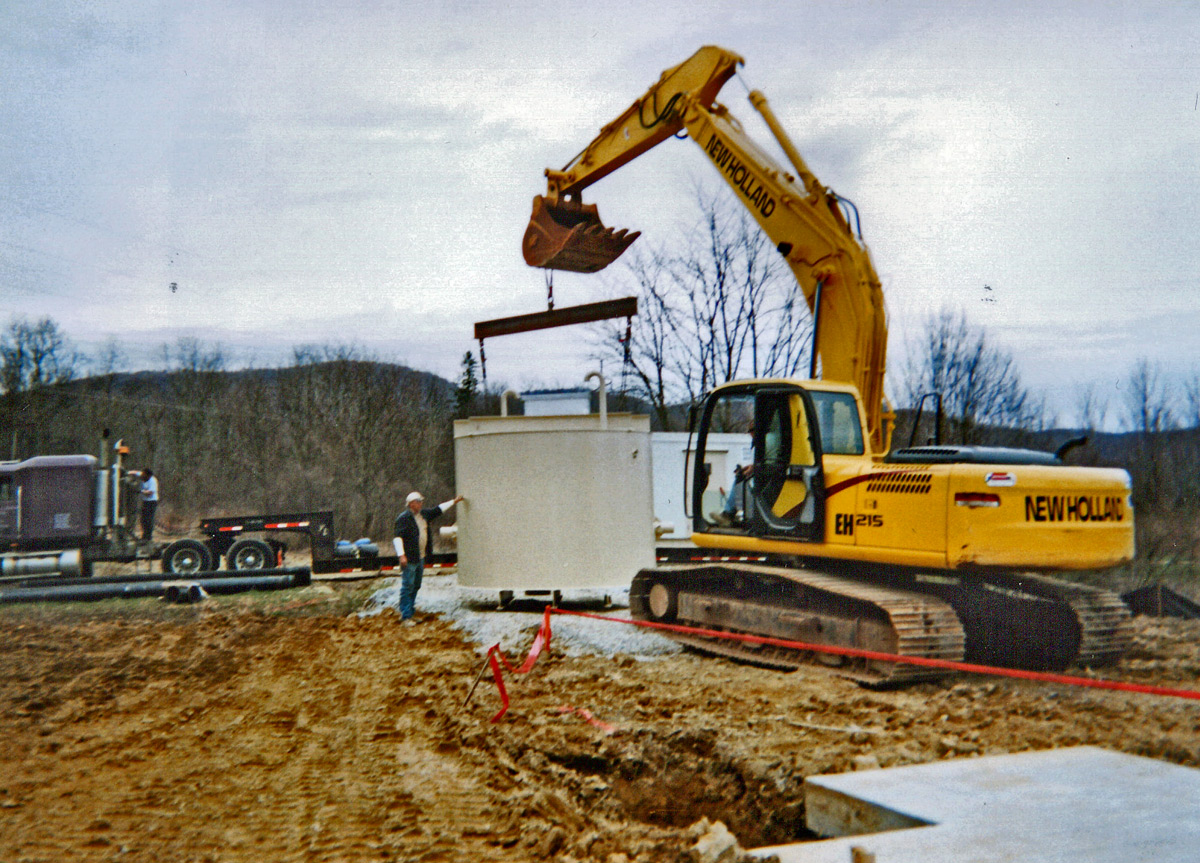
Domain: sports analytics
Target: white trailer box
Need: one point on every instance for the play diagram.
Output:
(553, 503)
(673, 491)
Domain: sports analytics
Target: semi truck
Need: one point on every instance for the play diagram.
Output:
(62, 514)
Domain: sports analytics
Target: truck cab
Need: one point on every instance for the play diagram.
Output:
(47, 502)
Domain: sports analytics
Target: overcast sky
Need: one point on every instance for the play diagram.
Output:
(361, 173)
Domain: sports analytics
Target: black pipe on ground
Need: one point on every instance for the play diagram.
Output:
(73, 581)
(225, 583)
(184, 593)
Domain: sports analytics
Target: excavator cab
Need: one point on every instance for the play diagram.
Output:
(782, 494)
(568, 235)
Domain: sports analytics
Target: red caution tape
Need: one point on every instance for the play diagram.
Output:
(541, 642)
(491, 655)
(949, 665)
(586, 715)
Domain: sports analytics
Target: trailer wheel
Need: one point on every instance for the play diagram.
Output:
(250, 554)
(186, 557)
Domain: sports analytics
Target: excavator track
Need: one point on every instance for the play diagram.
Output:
(1013, 620)
(801, 605)
(1035, 622)
(1103, 623)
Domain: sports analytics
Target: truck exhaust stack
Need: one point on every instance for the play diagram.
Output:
(570, 236)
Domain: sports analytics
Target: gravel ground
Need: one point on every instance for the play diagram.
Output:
(477, 614)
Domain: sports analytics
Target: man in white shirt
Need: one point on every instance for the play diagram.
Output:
(149, 494)
(412, 538)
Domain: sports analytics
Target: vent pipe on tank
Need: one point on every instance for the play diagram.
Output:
(504, 402)
(603, 398)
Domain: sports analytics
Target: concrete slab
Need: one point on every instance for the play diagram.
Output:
(1078, 805)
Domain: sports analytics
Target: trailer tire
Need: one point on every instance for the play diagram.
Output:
(248, 554)
(186, 557)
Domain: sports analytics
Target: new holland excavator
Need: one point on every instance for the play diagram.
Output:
(932, 551)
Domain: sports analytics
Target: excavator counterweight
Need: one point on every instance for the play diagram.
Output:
(570, 236)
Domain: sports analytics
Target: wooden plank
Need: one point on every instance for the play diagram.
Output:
(624, 307)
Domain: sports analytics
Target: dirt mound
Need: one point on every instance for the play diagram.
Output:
(228, 734)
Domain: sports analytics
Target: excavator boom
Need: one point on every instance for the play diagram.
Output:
(801, 216)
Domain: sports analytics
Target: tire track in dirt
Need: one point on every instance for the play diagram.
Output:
(236, 736)
(324, 742)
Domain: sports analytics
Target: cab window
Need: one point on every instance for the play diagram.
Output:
(837, 417)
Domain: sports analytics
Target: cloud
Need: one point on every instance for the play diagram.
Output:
(318, 170)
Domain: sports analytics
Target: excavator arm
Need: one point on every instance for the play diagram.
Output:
(802, 217)
(566, 234)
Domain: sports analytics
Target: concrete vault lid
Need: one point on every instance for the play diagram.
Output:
(1077, 805)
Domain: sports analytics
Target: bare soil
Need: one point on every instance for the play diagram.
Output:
(238, 731)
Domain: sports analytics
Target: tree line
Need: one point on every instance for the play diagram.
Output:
(332, 430)
(335, 429)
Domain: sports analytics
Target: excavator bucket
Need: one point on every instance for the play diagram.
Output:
(570, 236)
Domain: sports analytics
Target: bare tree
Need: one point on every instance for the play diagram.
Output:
(980, 387)
(334, 430)
(35, 359)
(1148, 399)
(1191, 388)
(187, 426)
(1160, 466)
(35, 355)
(650, 350)
(357, 435)
(722, 306)
(110, 359)
(1090, 408)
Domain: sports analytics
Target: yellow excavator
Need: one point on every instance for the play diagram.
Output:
(932, 550)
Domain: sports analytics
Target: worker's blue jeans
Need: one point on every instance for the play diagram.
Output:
(148, 508)
(410, 583)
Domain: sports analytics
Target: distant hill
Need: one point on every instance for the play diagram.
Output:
(354, 436)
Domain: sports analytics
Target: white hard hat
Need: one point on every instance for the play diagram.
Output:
(416, 495)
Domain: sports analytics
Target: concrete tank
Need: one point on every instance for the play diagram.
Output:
(553, 503)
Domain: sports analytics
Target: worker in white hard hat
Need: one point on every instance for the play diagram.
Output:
(412, 541)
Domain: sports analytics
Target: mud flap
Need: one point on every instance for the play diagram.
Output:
(570, 236)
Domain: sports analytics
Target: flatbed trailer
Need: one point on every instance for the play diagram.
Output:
(232, 537)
